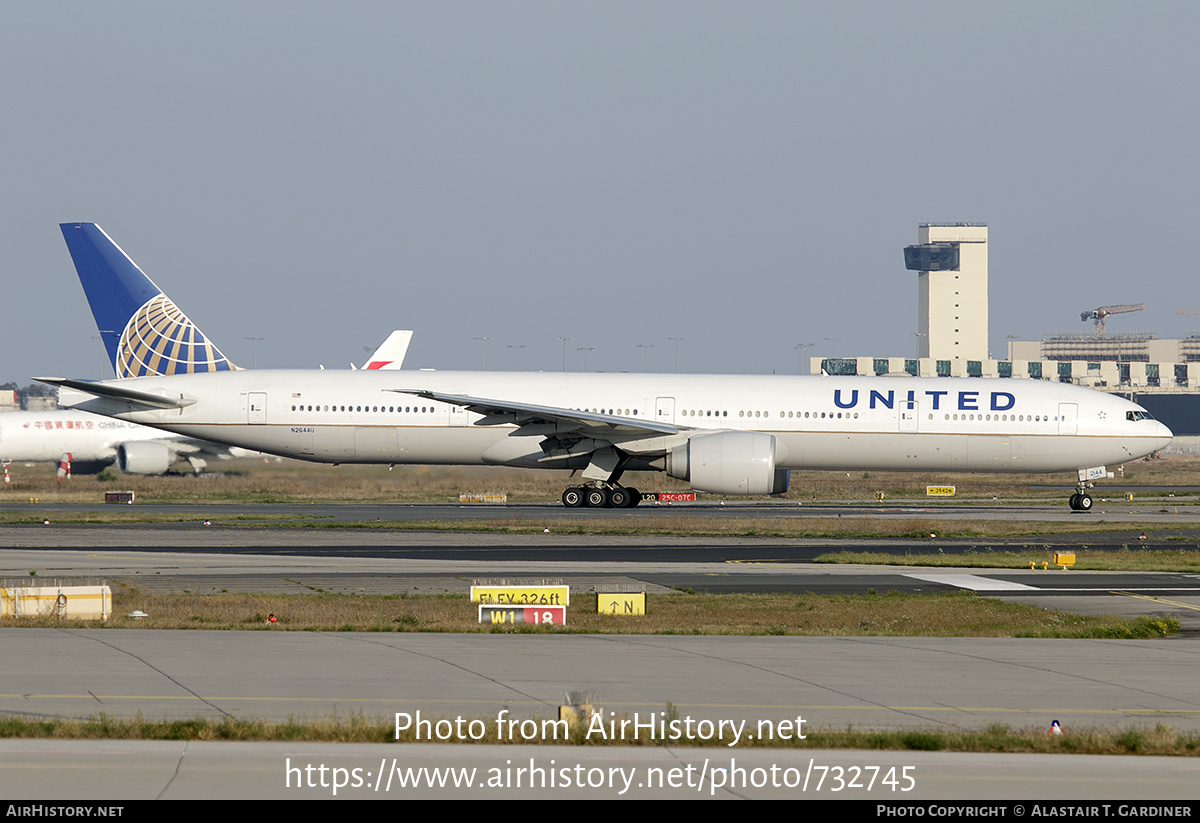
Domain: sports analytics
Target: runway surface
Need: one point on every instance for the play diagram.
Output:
(831, 682)
(810, 683)
(383, 561)
(1158, 508)
(120, 770)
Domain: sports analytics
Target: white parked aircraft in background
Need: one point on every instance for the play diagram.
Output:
(726, 434)
(82, 442)
(390, 354)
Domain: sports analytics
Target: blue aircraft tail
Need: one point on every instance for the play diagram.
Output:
(143, 331)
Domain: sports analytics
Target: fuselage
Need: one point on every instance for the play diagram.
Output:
(961, 424)
(31, 436)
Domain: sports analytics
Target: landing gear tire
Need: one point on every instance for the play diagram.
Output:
(1081, 502)
(599, 497)
(595, 498)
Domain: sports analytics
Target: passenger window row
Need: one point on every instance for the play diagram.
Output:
(386, 409)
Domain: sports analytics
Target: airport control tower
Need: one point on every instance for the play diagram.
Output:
(952, 298)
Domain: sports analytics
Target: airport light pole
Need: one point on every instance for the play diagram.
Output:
(802, 347)
(254, 351)
(483, 352)
(564, 344)
(918, 335)
(585, 350)
(100, 358)
(647, 347)
(516, 356)
(677, 340)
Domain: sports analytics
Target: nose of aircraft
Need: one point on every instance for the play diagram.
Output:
(1163, 436)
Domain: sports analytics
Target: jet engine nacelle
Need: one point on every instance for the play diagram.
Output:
(143, 458)
(729, 463)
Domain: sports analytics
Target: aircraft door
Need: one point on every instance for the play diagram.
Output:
(256, 407)
(1068, 418)
(909, 415)
(305, 443)
(664, 410)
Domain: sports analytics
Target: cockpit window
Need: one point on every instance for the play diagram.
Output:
(1138, 415)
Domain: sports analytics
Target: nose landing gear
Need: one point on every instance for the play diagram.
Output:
(1081, 501)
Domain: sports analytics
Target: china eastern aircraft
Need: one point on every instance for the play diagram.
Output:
(83, 443)
(725, 434)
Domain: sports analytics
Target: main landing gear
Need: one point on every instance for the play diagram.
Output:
(602, 496)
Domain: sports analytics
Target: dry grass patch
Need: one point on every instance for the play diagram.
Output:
(294, 481)
(999, 737)
(893, 614)
(1161, 740)
(678, 522)
(704, 525)
(291, 481)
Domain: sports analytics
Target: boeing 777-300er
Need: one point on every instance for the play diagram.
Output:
(725, 434)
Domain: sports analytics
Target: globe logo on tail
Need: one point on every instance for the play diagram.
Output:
(160, 340)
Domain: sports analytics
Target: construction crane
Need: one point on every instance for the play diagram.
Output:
(1189, 312)
(1104, 311)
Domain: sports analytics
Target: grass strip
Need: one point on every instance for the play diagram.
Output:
(798, 527)
(1159, 740)
(891, 614)
(289, 481)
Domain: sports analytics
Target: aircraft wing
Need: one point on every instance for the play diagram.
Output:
(185, 447)
(194, 450)
(537, 418)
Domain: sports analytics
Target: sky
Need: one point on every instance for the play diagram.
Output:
(742, 175)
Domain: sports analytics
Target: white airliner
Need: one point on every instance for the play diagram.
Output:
(82, 442)
(86, 443)
(726, 434)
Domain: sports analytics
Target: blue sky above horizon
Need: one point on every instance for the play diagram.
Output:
(742, 175)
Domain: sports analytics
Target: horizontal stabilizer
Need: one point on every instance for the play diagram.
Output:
(116, 392)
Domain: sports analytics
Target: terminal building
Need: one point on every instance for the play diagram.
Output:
(951, 262)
